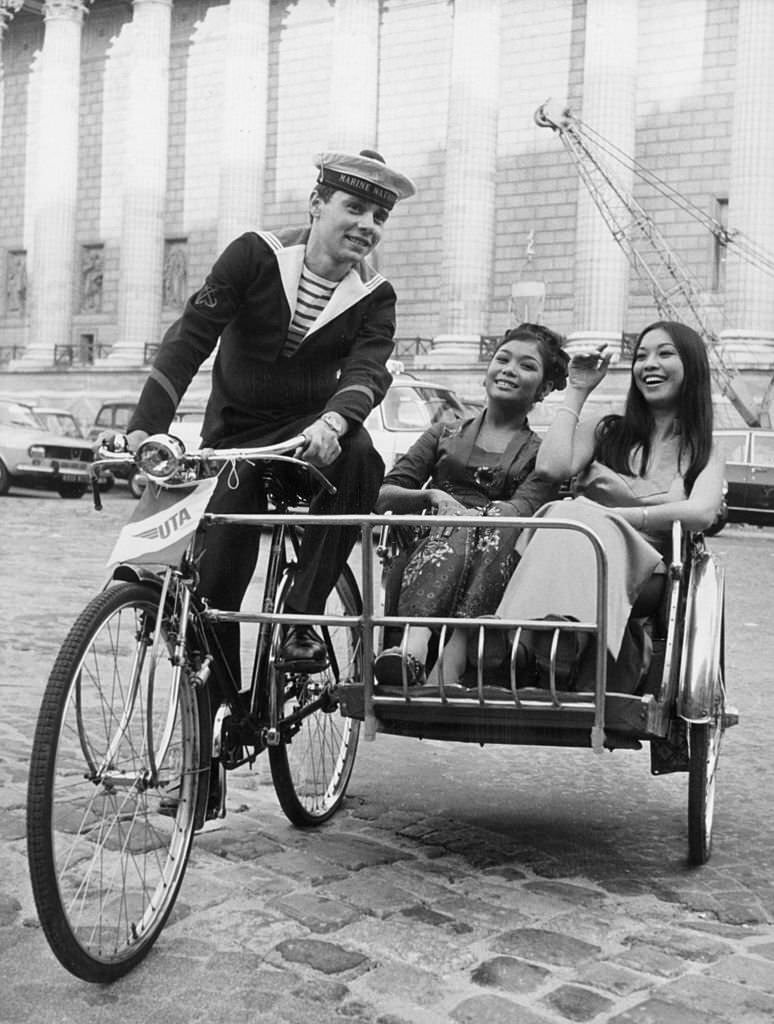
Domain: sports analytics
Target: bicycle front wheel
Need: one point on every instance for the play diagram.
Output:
(312, 764)
(109, 832)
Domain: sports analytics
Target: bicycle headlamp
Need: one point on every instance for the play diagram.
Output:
(160, 456)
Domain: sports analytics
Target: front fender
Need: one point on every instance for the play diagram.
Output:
(701, 660)
(134, 574)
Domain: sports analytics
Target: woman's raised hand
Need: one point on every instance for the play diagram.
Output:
(587, 368)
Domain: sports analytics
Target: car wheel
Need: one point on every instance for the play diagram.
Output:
(136, 483)
(71, 490)
(5, 478)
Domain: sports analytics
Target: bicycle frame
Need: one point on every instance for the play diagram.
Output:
(262, 719)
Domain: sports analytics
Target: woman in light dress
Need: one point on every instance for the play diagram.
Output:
(633, 475)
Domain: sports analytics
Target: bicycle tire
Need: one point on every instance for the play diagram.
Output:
(704, 743)
(312, 764)
(106, 858)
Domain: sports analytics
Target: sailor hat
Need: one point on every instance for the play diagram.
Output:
(365, 175)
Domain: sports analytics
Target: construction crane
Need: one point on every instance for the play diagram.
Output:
(674, 290)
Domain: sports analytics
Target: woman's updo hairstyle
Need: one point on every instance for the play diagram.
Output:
(551, 348)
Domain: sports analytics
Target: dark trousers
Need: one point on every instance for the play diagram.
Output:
(230, 552)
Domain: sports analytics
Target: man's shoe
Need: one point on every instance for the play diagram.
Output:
(302, 650)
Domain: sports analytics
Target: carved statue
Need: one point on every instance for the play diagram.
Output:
(91, 281)
(175, 277)
(16, 283)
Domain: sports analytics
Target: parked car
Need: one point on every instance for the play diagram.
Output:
(114, 415)
(749, 454)
(410, 406)
(32, 456)
(59, 421)
(187, 425)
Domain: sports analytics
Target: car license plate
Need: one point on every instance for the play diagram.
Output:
(70, 478)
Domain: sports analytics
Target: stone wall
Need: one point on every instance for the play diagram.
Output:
(685, 81)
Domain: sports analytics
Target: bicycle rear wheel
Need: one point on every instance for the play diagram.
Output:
(312, 764)
(106, 854)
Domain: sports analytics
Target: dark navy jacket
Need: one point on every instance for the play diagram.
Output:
(247, 301)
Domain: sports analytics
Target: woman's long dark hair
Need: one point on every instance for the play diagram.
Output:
(618, 436)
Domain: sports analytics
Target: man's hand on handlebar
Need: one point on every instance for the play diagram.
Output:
(116, 442)
(322, 445)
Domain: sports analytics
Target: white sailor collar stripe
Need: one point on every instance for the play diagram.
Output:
(349, 291)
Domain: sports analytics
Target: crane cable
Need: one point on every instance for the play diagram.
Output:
(732, 238)
(580, 141)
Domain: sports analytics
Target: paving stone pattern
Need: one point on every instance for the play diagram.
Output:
(381, 916)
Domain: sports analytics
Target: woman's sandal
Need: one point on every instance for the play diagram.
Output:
(388, 668)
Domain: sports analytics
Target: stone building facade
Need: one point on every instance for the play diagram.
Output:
(137, 138)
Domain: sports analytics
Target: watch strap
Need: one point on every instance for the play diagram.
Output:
(331, 420)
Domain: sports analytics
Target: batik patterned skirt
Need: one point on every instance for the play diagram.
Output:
(458, 571)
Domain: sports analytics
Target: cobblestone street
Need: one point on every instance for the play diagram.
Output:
(446, 889)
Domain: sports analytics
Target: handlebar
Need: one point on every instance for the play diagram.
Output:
(163, 459)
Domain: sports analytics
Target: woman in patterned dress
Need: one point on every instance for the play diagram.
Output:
(484, 465)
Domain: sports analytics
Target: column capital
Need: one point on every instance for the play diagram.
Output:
(65, 10)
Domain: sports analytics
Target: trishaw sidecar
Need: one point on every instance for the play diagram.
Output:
(679, 707)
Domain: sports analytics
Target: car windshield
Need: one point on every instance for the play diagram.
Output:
(416, 407)
(59, 423)
(14, 415)
(732, 446)
(763, 450)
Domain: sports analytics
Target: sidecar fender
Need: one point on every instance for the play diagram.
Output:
(701, 662)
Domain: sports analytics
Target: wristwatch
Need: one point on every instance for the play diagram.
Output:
(333, 420)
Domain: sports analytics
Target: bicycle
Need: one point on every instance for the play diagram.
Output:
(130, 752)
(128, 763)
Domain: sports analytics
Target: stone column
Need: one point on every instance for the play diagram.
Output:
(609, 81)
(7, 10)
(145, 182)
(471, 154)
(354, 76)
(749, 291)
(243, 140)
(56, 179)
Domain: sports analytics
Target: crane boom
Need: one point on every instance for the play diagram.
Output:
(675, 293)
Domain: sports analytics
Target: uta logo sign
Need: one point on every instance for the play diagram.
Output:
(160, 533)
(166, 529)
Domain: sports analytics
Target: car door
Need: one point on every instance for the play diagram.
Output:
(760, 493)
(734, 446)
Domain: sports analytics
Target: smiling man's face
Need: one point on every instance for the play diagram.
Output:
(345, 229)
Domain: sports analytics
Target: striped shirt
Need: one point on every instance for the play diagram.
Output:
(314, 292)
